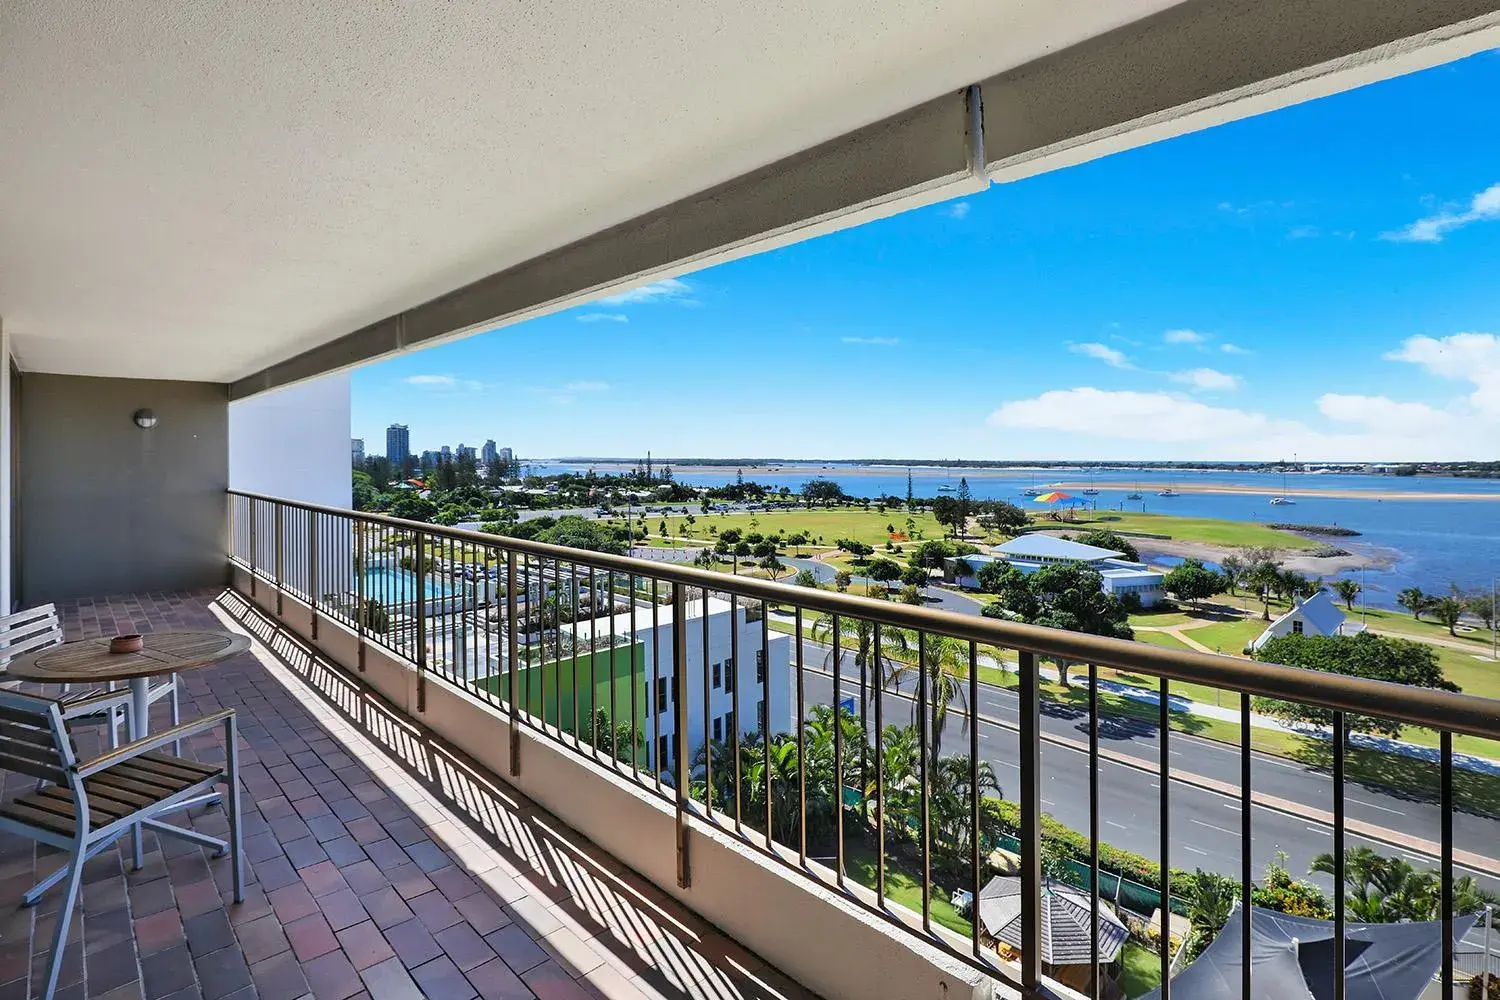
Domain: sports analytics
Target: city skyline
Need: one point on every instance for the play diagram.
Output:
(1316, 281)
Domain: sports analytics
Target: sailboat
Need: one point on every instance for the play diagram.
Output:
(1168, 492)
(1283, 501)
(1091, 491)
(1135, 493)
(1031, 491)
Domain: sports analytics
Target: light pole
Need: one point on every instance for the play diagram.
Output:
(1363, 601)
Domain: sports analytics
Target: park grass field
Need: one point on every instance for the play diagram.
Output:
(1208, 530)
(1230, 636)
(868, 526)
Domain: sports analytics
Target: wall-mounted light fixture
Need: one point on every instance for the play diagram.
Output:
(145, 419)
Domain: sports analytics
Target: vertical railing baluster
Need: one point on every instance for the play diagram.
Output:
(1094, 984)
(359, 564)
(635, 708)
(312, 569)
(614, 706)
(593, 624)
(254, 555)
(1445, 863)
(1164, 722)
(513, 658)
(974, 803)
(734, 704)
(1247, 873)
(801, 744)
(679, 727)
(277, 561)
(1029, 745)
(765, 723)
(1339, 919)
(708, 749)
(879, 773)
(422, 623)
(655, 701)
(838, 756)
(925, 841)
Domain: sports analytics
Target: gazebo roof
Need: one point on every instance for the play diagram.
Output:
(1066, 937)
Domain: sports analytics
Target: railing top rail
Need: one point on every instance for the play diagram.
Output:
(1459, 713)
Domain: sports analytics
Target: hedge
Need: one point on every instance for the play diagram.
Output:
(1006, 816)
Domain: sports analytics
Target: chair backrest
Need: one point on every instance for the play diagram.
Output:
(34, 740)
(28, 631)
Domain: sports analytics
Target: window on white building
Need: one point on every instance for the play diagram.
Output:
(718, 730)
(718, 677)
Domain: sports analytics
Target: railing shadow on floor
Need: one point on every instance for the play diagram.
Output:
(642, 932)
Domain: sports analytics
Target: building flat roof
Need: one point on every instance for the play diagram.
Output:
(1038, 546)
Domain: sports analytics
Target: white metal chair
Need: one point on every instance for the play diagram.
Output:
(84, 806)
(38, 628)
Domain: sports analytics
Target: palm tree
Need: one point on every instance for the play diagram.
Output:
(947, 669)
(860, 637)
(1264, 578)
(1413, 600)
(1234, 569)
(949, 793)
(1448, 610)
(1348, 590)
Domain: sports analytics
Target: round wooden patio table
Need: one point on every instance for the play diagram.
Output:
(89, 661)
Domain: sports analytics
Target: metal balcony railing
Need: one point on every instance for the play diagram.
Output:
(696, 666)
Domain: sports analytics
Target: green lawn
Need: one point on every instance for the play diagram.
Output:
(1160, 618)
(865, 526)
(1230, 636)
(1140, 969)
(1165, 639)
(1193, 529)
(900, 887)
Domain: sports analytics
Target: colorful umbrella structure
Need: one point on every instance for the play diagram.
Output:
(1053, 497)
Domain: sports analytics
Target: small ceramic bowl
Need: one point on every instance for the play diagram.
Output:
(126, 643)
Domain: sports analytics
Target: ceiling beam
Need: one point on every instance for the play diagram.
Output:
(927, 154)
(1206, 62)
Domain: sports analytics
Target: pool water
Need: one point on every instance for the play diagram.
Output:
(394, 585)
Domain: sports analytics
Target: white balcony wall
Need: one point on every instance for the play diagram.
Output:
(293, 443)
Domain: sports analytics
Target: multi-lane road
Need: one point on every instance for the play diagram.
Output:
(1205, 826)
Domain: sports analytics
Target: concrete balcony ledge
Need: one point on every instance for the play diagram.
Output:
(823, 943)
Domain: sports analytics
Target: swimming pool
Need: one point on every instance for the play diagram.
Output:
(394, 585)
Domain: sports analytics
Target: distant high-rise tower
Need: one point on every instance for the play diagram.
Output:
(357, 451)
(487, 454)
(507, 456)
(447, 453)
(397, 444)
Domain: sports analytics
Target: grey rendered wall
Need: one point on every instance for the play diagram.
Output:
(109, 508)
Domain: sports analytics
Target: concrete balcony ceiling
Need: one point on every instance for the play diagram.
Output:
(200, 191)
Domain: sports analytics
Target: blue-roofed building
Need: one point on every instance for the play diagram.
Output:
(1029, 553)
(1316, 615)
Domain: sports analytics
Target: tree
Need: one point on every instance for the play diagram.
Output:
(771, 564)
(796, 540)
(870, 644)
(1234, 569)
(805, 578)
(822, 491)
(841, 580)
(859, 550)
(1347, 590)
(1016, 595)
(945, 661)
(911, 594)
(411, 507)
(930, 554)
(1002, 515)
(1192, 581)
(965, 503)
(1105, 539)
(705, 559)
(742, 550)
(950, 513)
(915, 576)
(1210, 899)
(1068, 596)
(1481, 603)
(883, 571)
(1448, 610)
(1264, 577)
(1413, 600)
(1381, 658)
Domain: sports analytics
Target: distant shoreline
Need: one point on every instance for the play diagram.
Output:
(1021, 474)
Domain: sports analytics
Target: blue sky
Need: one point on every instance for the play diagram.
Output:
(1323, 280)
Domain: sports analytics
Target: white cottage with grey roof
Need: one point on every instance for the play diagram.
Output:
(1316, 615)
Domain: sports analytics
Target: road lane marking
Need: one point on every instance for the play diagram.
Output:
(1120, 826)
(1362, 802)
(1189, 847)
(1232, 833)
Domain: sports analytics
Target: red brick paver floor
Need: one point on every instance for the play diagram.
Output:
(381, 864)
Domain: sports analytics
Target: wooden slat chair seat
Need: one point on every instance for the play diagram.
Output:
(83, 806)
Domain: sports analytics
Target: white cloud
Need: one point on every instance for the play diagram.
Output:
(1483, 207)
(587, 386)
(1206, 380)
(1141, 416)
(1103, 352)
(443, 382)
(1382, 414)
(1462, 357)
(872, 341)
(666, 290)
(570, 391)
(1302, 232)
(1234, 349)
(1183, 337)
(603, 318)
(957, 210)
